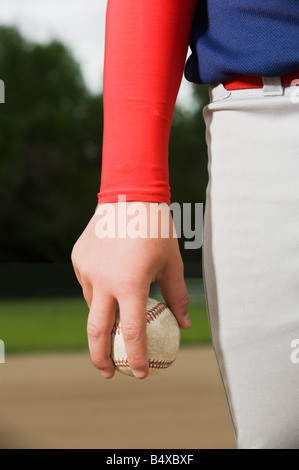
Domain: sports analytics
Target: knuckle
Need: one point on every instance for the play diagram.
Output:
(131, 333)
(123, 286)
(98, 278)
(86, 266)
(183, 302)
(85, 271)
(135, 284)
(94, 330)
(89, 273)
(74, 254)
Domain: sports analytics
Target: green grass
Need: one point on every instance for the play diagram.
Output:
(199, 332)
(43, 324)
(59, 324)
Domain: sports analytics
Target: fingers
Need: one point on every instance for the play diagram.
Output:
(99, 326)
(174, 291)
(133, 323)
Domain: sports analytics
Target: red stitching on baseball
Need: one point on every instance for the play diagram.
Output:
(155, 311)
(153, 363)
(152, 313)
(121, 362)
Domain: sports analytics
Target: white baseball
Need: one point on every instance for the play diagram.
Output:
(163, 340)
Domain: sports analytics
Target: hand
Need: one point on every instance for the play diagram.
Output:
(119, 271)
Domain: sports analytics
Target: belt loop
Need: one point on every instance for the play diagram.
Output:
(217, 91)
(272, 86)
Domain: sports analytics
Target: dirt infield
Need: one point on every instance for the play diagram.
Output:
(61, 401)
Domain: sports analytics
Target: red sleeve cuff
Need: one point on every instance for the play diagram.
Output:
(134, 195)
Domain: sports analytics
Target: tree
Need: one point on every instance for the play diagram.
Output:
(50, 150)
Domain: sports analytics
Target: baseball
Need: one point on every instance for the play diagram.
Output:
(163, 340)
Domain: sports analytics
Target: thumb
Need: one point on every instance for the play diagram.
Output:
(174, 291)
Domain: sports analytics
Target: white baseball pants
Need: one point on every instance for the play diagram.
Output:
(251, 258)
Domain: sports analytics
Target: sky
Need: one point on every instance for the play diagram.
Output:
(80, 24)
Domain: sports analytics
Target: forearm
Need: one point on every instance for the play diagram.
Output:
(145, 50)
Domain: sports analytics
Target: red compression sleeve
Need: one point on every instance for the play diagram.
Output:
(146, 43)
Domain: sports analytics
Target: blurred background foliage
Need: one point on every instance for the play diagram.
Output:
(50, 151)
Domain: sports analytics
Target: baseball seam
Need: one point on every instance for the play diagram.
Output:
(155, 311)
(153, 363)
(152, 313)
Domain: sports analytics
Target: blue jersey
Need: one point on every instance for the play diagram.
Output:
(252, 37)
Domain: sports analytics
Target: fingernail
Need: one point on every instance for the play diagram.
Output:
(139, 374)
(187, 321)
